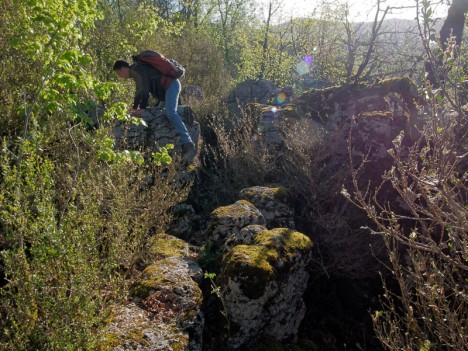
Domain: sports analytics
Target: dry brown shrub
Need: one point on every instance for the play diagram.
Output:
(425, 303)
(316, 175)
(236, 159)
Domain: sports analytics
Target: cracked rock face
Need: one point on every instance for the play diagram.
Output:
(228, 220)
(273, 203)
(244, 236)
(260, 91)
(158, 130)
(262, 285)
(165, 311)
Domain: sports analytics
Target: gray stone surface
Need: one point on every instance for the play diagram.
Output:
(191, 93)
(262, 285)
(227, 220)
(164, 313)
(157, 133)
(274, 204)
(260, 91)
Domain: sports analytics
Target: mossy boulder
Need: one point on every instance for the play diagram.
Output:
(244, 236)
(161, 246)
(165, 309)
(173, 273)
(274, 203)
(398, 95)
(262, 285)
(164, 245)
(227, 220)
(271, 253)
(132, 328)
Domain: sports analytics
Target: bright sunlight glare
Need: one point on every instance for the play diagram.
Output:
(361, 10)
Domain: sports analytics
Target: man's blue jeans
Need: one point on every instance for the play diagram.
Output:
(172, 99)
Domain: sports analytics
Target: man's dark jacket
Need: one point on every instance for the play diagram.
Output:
(147, 80)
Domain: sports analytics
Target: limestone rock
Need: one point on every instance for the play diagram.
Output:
(163, 245)
(332, 110)
(273, 203)
(165, 314)
(227, 220)
(260, 91)
(330, 105)
(262, 285)
(133, 329)
(157, 133)
(244, 237)
(273, 122)
(191, 93)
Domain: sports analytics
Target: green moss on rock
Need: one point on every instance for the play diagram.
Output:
(181, 343)
(320, 102)
(149, 280)
(282, 194)
(258, 263)
(238, 209)
(276, 193)
(164, 245)
(283, 239)
(109, 342)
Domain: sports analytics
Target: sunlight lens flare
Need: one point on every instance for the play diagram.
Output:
(303, 67)
(280, 99)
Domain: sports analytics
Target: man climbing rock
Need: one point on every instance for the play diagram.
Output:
(166, 89)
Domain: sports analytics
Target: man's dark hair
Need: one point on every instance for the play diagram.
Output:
(119, 64)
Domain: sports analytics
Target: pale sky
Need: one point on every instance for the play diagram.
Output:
(361, 10)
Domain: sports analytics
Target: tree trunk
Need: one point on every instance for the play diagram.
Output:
(453, 26)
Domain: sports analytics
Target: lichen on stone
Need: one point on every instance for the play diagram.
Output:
(238, 209)
(147, 283)
(259, 263)
(254, 262)
(284, 239)
(277, 193)
(164, 245)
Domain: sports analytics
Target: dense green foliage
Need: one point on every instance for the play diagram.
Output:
(74, 220)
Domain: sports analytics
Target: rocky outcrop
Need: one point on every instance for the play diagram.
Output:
(164, 312)
(260, 91)
(328, 106)
(244, 237)
(191, 94)
(158, 130)
(261, 281)
(312, 136)
(274, 204)
(262, 285)
(263, 272)
(228, 220)
(276, 122)
(363, 121)
(367, 117)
